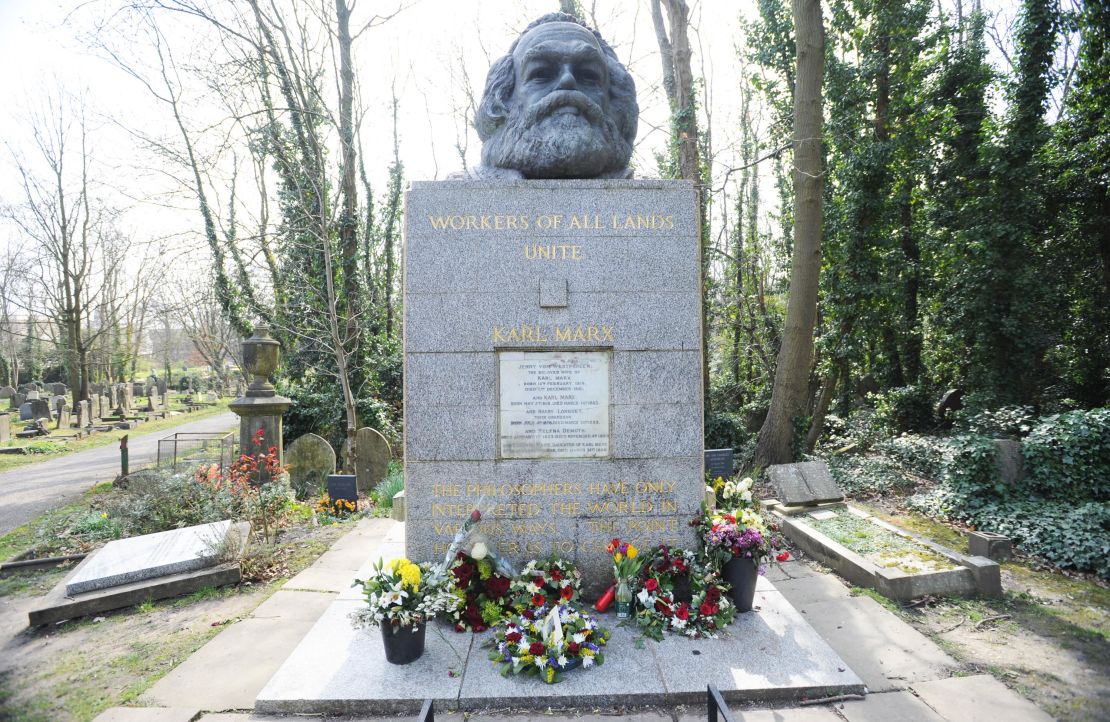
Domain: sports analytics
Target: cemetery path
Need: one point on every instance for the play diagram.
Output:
(28, 491)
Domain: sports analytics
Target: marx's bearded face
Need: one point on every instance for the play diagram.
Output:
(559, 121)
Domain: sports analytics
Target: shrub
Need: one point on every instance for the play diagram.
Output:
(318, 409)
(724, 431)
(906, 408)
(1012, 422)
(1067, 456)
(924, 456)
(393, 482)
(866, 476)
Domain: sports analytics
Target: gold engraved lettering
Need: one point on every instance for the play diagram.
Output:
(630, 506)
(564, 508)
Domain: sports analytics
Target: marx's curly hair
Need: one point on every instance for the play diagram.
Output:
(501, 81)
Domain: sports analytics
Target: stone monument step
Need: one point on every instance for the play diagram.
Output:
(771, 655)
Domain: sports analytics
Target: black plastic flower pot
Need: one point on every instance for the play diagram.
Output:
(403, 644)
(741, 573)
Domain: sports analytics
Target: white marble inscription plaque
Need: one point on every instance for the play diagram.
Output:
(554, 404)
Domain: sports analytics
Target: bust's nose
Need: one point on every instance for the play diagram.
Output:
(566, 78)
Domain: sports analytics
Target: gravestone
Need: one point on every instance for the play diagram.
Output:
(113, 397)
(137, 389)
(310, 459)
(6, 392)
(134, 559)
(63, 417)
(127, 399)
(59, 389)
(373, 458)
(553, 366)
(32, 394)
(804, 484)
(5, 428)
(57, 402)
(16, 400)
(94, 408)
(25, 411)
(718, 463)
(40, 409)
(342, 486)
(162, 387)
(1009, 464)
(83, 419)
(210, 397)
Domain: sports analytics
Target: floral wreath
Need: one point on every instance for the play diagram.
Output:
(666, 578)
(552, 580)
(546, 642)
(484, 594)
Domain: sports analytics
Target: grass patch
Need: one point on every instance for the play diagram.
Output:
(32, 582)
(56, 450)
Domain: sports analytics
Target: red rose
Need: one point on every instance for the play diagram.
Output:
(651, 584)
(538, 581)
(708, 610)
(497, 586)
(536, 649)
(538, 600)
(556, 575)
(683, 611)
(663, 608)
(567, 593)
(783, 557)
(463, 573)
(472, 615)
(513, 637)
(475, 516)
(572, 648)
(528, 614)
(713, 594)
(679, 565)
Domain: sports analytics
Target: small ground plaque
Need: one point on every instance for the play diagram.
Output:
(554, 405)
(806, 483)
(149, 556)
(342, 486)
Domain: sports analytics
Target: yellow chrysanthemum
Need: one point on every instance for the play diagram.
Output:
(410, 576)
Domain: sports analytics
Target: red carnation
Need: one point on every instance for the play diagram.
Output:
(538, 581)
(556, 575)
(538, 600)
(651, 584)
(683, 611)
(708, 610)
(567, 593)
(513, 637)
(679, 565)
(572, 648)
(536, 649)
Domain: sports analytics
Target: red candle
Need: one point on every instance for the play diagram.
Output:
(606, 599)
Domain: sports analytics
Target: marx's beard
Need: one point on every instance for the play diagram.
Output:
(563, 135)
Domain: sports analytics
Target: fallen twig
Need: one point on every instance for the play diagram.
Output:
(837, 698)
(995, 618)
(949, 629)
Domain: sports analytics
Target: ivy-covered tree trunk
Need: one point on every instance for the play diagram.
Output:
(791, 387)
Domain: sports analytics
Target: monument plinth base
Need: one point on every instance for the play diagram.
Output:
(771, 655)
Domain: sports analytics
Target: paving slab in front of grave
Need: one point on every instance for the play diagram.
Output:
(770, 655)
(135, 559)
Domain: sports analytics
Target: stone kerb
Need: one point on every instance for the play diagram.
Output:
(605, 273)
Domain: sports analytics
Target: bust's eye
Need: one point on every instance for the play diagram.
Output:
(539, 74)
(588, 75)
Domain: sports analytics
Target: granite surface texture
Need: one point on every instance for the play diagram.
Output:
(547, 265)
(151, 555)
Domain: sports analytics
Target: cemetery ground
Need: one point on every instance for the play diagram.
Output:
(1048, 637)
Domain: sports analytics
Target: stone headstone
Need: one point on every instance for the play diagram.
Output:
(25, 411)
(553, 370)
(63, 417)
(162, 387)
(373, 458)
(137, 389)
(124, 561)
(83, 419)
(211, 397)
(998, 547)
(113, 396)
(803, 484)
(6, 392)
(59, 389)
(94, 408)
(311, 460)
(40, 409)
(5, 428)
(57, 402)
(718, 463)
(16, 400)
(127, 400)
(1009, 464)
(31, 394)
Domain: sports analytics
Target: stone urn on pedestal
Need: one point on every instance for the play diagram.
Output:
(260, 407)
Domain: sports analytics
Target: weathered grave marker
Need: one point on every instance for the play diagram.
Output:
(805, 483)
(311, 460)
(373, 458)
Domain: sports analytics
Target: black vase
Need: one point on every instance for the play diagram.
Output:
(741, 573)
(403, 644)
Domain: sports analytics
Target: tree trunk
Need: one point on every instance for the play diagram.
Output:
(788, 395)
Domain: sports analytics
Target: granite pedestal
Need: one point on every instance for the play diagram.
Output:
(552, 366)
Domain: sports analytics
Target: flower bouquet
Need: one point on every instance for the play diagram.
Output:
(626, 567)
(552, 580)
(678, 594)
(484, 594)
(401, 597)
(547, 643)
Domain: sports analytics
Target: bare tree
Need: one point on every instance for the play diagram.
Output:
(791, 386)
